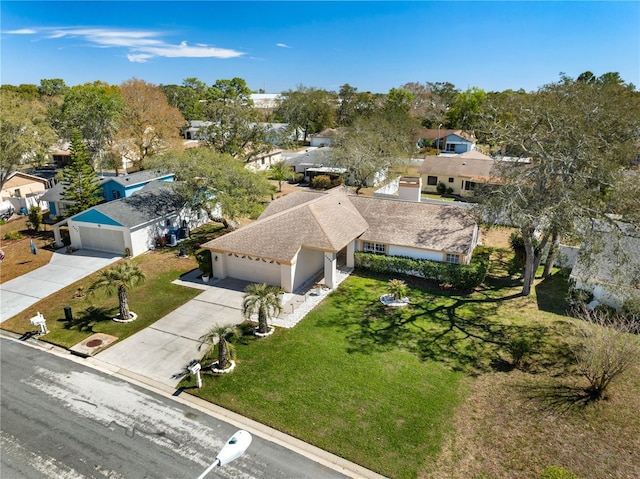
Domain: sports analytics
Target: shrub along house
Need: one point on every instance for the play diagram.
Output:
(305, 234)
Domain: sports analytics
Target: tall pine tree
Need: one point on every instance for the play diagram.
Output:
(81, 186)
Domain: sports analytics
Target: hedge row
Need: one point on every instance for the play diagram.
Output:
(460, 276)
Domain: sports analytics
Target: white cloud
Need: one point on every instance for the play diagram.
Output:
(22, 31)
(142, 44)
(283, 45)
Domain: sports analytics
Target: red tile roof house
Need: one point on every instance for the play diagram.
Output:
(305, 234)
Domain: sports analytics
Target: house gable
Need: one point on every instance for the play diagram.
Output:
(95, 217)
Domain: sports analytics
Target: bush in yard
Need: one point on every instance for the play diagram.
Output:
(321, 182)
(441, 188)
(13, 236)
(464, 277)
(519, 348)
(608, 346)
(35, 217)
(556, 472)
(203, 257)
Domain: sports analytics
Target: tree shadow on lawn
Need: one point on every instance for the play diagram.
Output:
(551, 293)
(468, 334)
(86, 320)
(556, 397)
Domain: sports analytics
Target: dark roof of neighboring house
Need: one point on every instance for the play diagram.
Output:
(327, 133)
(138, 177)
(154, 201)
(330, 220)
(435, 133)
(471, 164)
(315, 156)
(54, 193)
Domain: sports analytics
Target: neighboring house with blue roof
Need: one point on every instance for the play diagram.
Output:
(136, 222)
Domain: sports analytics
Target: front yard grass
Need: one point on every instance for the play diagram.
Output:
(376, 385)
(151, 300)
(441, 389)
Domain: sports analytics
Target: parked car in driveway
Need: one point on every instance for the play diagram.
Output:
(6, 210)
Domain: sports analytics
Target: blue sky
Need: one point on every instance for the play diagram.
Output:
(276, 46)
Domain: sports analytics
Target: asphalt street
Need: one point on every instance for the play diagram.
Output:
(61, 419)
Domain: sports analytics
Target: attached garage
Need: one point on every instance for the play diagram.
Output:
(256, 270)
(133, 224)
(102, 239)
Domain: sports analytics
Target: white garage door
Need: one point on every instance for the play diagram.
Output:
(249, 269)
(100, 239)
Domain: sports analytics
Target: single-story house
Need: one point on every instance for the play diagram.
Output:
(608, 264)
(304, 234)
(319, 161)
(23, 191)
(135, 223)
(458, 172)
(450, 141)
(264, 161)
(325, 138)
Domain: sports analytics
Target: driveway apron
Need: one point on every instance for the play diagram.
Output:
(163, 350)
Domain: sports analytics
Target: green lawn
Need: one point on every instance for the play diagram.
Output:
(377, 386)
(151, 300)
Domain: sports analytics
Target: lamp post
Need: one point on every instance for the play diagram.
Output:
(233, 449)
(438, 140)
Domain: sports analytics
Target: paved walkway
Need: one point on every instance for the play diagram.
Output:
(63, 269)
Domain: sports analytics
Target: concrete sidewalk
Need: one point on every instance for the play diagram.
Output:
(63, 269)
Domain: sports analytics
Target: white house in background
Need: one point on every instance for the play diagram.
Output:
(608, 264)
(136, 223)
(23, 191)
(449, 141)
(266, 101)
(324, 138)
(264, 161)
(302, 235)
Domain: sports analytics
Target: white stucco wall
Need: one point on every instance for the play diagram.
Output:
(308, 264)
(249, 269)
(415, 253)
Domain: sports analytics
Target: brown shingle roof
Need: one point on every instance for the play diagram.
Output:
(419, 225)
(434, 134)
(330, 220)
(324, 221)
(471, 164)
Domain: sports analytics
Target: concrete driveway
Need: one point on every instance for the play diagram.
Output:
(63, 269)
(162, 351)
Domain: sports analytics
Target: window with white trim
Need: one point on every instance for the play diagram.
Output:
(451, 147)
(432, 180)
(376, 248)
(453, 258)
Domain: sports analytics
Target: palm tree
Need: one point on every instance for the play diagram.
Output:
(280, 172)
(397, 288)
(221, 335)
(263, 300)
(120, 278)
